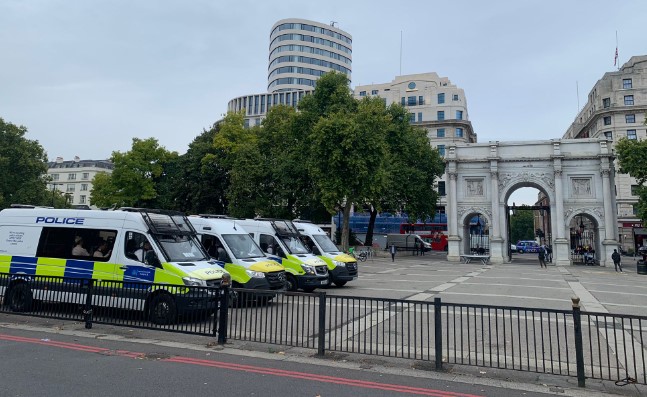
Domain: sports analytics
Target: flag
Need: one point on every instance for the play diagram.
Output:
(615, 60)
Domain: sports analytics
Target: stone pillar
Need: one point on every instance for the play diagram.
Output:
(497, 250)
(453, 240)
(561, 250)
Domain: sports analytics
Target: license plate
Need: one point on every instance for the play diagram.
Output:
(324, 282)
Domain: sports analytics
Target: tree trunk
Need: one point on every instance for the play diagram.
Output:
(345, 232)
(371, 226)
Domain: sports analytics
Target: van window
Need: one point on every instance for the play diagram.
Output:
(215, 248)
(67, 243)
(134, 246)
(182, 248)
(242, 246)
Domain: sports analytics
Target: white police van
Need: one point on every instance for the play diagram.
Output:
(130, 247)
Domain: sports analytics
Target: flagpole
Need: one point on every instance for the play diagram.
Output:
(618, 62)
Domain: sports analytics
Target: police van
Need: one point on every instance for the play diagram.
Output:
(137, 247)
(229, 244)
(342, 267)
(280, 240)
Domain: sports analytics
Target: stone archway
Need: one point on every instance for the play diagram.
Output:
(577, 176)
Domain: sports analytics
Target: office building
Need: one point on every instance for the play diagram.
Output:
(616, 108)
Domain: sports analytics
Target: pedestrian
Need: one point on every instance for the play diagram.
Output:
(392, 250)
(616, 260)
(416, 247)
(542, 257)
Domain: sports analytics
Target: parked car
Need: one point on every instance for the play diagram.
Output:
(513, 248)
(524, 246)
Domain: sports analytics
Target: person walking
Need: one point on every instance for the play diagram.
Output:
(616, 260)
(542, 257)
(392, 250)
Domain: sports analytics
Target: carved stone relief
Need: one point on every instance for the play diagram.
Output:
(466, 210)
(547, 179)
(473, 187)
(581, 187)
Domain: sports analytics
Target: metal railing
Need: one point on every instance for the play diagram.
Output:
(560, 342)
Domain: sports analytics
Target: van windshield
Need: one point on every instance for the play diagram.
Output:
(325, 243)
(294, 245)
(242, 246)
(182, 248)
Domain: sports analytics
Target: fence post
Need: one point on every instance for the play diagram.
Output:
(438, 334)
(579, 348)
(321, 348)
(87, 310)
(224, 312)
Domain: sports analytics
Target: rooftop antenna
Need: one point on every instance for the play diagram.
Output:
(400, 53)
(332, 23)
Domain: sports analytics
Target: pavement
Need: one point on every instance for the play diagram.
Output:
(520, 283)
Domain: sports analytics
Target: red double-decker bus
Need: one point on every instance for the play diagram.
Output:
(433, 233)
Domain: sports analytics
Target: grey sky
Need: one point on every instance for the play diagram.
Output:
(85, 77)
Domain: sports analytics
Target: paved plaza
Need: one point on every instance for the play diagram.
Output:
(519, 283)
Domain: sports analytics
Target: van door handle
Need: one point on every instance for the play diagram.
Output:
(123, 267)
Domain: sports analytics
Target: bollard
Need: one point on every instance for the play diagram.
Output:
(87, 310)
(438, 334)
(579, 348)
(222, 318)
(321, 348)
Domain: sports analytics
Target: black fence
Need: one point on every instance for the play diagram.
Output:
(561, 342)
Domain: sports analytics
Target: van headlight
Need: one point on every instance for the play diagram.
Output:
(310, 270)
(338, 263)
(194, 282)
(252, 273)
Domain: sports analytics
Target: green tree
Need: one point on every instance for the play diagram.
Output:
(23, 166)
(347, 154)
(632, 158)
(203, 180)
(522, 225)
(136, 177)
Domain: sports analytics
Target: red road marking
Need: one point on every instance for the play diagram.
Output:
(247, 368)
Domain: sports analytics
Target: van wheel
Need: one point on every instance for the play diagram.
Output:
(340, 283)
(290, 282)
(20, 298)
(308, 289)
(162, 309)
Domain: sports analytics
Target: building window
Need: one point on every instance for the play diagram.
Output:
(455, 97)
(631, 134)
(606, 102)
(607, 120)
(441, 188)
(626, 83)
(86, 175)
(420, 117)
(70, 187)
(82, 199)
(629, 100)
(412, 85)
(459, 115)
(411, 101)
(71, 177)
(441, 98)
(412, 117)
(84, 187)
(362, 93)
(55, 177)
(608, 135)
(441, 115)
(441, 150)
(459, 132)
(421, 100)
(630, 118)
(440, 133)
(402, 102)
(258, 121)
(246, 123)
(374, 92)
(69, 198)
(634, 209)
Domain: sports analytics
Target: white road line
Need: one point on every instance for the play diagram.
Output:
(524, 278)
(623, 286)
(507, 296)
(460, 280)
(420, 297)
(618, 292)
(442, 287)
(589, 302)
(389, 271)
(516, 285)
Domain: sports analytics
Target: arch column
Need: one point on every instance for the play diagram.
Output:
(453, 240)
(497, 251)
(561, 250)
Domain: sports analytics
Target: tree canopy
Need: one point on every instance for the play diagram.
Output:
(632, 158)
(23, 168)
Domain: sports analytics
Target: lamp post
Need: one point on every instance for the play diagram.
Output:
(54, 193)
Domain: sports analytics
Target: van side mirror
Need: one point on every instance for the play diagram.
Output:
(315, 250)
(151, 259)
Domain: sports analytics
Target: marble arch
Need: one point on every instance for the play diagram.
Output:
(577, 175)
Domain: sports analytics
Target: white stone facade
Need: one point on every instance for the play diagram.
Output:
(576, 175)
(74, 178)
(616, 108)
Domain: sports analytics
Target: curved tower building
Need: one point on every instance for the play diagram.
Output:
(301, 51)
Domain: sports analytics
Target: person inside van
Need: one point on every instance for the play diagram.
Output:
(141, 253)
(78, 249)
(102, 251)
